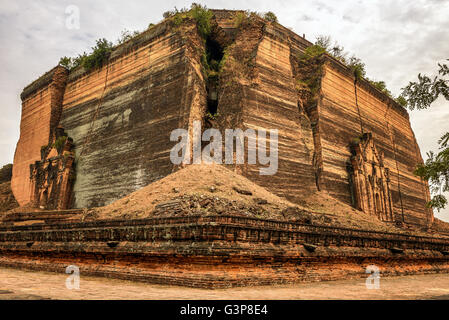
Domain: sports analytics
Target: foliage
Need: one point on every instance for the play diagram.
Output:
(6, 173)
(436, 171)
(312, 52)
(239, 18)
(420, 95)
(401, 101)
(59, 143)
(168, 14)
(335, 50)
(325, 45)
(270, 16)
(203, 16)
(357, 66)
(66, 62)
(200, 13)
(211, 116)
(127, 35)
(381, 86)
(224, 58)
(100, 54)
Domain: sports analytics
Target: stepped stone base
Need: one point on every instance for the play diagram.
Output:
(217, 251)
(47, 216)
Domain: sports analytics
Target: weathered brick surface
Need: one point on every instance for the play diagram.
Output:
(41, 108)
(217, 251)
(389, 125)
(120, 118)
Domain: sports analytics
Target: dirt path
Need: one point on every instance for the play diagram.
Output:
(18, 284)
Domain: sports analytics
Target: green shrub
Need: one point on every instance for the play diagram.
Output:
(211, 116)
(200, 13)
(224, 58)
(127, 35)
(270, 16)
(401, 101)
(100, 54)
(59, 143)
(168, 14)
(357, 67)
(239, 18)
(312, 52)
(203, 16)
(335, 50)
(381, 86)
(66, 62)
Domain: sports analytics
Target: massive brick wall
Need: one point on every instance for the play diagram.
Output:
(258, 92)
(120, 117)
(41, 109)
(341, 120)
(265, 97)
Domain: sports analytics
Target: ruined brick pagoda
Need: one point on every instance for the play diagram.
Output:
(89, 138)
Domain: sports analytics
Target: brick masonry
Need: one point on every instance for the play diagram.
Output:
(120, 116)
(217, 251)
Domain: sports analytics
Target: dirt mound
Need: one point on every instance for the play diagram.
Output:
(214, 189)
(7, 200)
(195, 180)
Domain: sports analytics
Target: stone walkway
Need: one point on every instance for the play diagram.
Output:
(19, 284)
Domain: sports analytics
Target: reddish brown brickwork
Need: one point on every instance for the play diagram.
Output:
(52, 178)
(41, 110)
(370, 180)
(337, 135)
(218, 251)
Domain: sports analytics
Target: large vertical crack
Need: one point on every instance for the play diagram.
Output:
(308, 76)
(390, 134)
(357, 106)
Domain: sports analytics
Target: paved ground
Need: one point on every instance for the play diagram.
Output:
(18, 284)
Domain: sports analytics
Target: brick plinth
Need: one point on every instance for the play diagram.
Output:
(218, 251)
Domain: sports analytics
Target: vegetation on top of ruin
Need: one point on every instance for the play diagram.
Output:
(201, 14)
(421, 95)
(323, 45)
(270, 16)
(127, 35)
(96, 59)
(246, 16)
(308, 79)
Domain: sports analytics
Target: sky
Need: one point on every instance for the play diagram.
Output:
(395, 39)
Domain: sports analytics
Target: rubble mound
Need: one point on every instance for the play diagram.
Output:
(195, 185)
(214, 189)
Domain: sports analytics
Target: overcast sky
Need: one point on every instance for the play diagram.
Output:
(396, 40)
